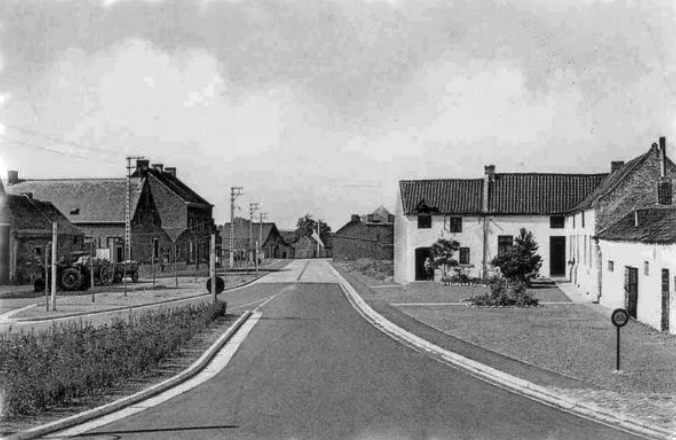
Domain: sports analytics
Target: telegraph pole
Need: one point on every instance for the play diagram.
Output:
(127, 220)
(235, 192)
(262, 216)
(253, 207)
(318, 239)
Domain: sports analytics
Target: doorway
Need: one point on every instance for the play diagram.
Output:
(665, 300)
(557, 256)
(631, 290)
(421, 254)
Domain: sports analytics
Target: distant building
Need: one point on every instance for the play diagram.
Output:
(309, 247)
(366, 236)
(273, 244)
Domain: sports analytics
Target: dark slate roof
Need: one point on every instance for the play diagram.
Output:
(458, 196)
(510, 193)
(175, 185)
(536, 193)
(84, 200)
(655, 225)
(611, 181)
(30, 216)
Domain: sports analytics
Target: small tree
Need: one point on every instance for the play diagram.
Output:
(442, 255)
(521, 262)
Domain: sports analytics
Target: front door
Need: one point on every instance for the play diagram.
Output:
(665, 300)
(421, 255)
(631, 290)
(557, 256)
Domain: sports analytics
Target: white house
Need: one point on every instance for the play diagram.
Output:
(484, 215)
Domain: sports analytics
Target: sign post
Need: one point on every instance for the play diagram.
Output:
(619, 318)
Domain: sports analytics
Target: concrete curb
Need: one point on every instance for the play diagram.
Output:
(497, 377)
(125, 402)
(122, 308)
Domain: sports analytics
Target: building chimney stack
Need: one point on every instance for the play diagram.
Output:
(354, 218)
(616, 165)
(170, 170)
(12, 177)
(158, 166)
(142, 166)
(663, 156)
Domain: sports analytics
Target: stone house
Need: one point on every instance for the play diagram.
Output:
(484, 215)
(273, 244)
(25, 231)
(366, 236)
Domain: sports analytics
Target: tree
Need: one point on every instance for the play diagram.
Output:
(442, 255)
(521, 262)
(306, 226)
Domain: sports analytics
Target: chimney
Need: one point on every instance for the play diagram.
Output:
(663, 156)
(616, 165)
(158, 166)
(370, 218)
(170, 170)
(665, 191)
(390, 218)
(489, 176)
(354, 218)
(12, 177)
(142, 166)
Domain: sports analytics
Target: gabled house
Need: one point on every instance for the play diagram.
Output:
(25, 231)
(273, 244)
(366, 236)
(484, 215)
(309, 247)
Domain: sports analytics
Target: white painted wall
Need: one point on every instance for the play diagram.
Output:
(584, 252)
(658, 257)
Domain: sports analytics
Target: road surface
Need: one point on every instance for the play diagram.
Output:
(312, 368)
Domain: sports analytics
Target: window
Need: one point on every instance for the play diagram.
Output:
(424, 221)
(37, 251)
(464, 255)
(456, 224)
(611, 266)
(646, 268)
(582, 222)
(156, 249)
(505, 244)
(557, 222)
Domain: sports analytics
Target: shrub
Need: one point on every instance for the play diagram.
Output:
(521, 262)
(72, 360)
(505, 293)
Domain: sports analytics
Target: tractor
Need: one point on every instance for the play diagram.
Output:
(73, 273)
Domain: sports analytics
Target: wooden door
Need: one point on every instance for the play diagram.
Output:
(631, 290)
(665, 300)
(557, 256)
(421, 255)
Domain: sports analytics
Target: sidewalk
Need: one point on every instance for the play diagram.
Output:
(566, 346)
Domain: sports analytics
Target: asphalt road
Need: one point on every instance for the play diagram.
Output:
(312, 368)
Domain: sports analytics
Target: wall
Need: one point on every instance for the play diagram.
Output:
(357, 240)
(636, 255)
(401, 254)
(584, 253)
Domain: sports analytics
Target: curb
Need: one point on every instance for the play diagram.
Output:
(138, 306)
(496, 377)
(154, 390)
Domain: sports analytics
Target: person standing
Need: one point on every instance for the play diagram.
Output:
(429, 270)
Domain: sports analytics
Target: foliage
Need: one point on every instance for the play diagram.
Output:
(306, 226)
(505, 293)
(380, 269)
(442, 256)
(74, 360)
(521, 262)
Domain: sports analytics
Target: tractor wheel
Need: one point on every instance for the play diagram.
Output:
(71, 279)
(39, 285)
(104, 275)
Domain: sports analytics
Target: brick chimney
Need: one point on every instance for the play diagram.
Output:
(158, 166)
(663, 156)
(12, 177)
(170, 170)
(616, 165)
(354, 218)
(665, 186)
(489, 176)
(142, 166)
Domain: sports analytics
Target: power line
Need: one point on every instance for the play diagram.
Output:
(59, 141)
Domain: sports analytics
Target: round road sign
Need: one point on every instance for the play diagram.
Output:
(619, 317)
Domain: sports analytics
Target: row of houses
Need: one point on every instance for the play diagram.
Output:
(169, 220)
(612, 235)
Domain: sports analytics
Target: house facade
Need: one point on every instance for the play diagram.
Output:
(309, 247)
(484, 215)
(366, 236)
(273, 244)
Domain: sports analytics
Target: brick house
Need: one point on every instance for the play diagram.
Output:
(26, 229)
(484, 215)
(366, 236)
(309, 247)
(273, 244)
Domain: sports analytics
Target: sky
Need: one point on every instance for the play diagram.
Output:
(322, 106)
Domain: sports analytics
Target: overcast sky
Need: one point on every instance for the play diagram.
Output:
(321, 106)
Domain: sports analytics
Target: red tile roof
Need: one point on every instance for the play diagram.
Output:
(84, 200)
(458, 196)
(655, 225)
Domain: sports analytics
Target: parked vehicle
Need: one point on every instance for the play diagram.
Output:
(127, 268)
(73, 273)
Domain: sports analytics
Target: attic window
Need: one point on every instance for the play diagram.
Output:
(75, 211)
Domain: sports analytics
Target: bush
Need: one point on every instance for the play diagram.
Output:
(380, 269)
(505, 293)
(521, 262)
(72, 360)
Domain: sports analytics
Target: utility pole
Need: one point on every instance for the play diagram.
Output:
(262, 216)
(127, 220)
(54, 257)
(253, 207)
(212, 266)
(318, 239)
(235, 192)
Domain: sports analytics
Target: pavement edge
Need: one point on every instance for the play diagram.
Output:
(152, 391)
(497, 377)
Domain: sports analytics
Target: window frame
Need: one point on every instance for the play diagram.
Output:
(424, 221)
(466, 251)
(502, 247)
(455, 224)
(557, 222)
